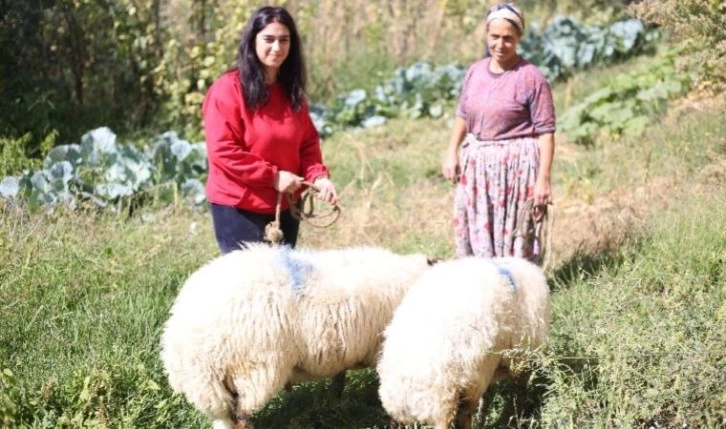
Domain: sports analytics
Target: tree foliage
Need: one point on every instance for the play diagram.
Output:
(72, 63)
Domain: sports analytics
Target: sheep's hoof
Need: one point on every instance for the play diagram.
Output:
(243, 423)
(395, 425)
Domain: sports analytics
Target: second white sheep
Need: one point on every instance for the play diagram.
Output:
(447, 339)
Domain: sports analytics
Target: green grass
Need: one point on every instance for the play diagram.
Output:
(637, 335)
(645, 332)
(83, 299)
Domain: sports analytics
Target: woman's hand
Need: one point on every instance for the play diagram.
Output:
(287, 182)
(542, 196)
(326, 190)
(450, 166)
(543, 186)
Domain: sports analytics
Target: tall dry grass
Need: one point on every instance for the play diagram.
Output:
(347, 43)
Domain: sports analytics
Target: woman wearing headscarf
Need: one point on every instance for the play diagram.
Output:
(501, 147)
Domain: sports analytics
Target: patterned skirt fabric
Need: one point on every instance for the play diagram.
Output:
(497, 178)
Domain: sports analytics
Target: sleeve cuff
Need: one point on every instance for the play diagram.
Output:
(273, 175)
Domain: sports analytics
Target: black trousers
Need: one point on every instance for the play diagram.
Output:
(234, 227)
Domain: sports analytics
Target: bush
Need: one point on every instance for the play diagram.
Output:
(14, 157)
(700, 25)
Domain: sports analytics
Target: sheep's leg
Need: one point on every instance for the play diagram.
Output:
(446, 415)
(395, 425)
(239, 420)
(254, 387)
(464, 412)
(243, 422)
(338, 384)
(485, 400)
(230, 419)
(222, 423)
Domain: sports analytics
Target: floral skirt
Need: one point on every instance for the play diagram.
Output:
(497, 178)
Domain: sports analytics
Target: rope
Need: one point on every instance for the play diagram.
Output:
(273, 233)
(540, 229)
(304, 213)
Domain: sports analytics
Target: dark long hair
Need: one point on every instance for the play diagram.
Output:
(251, 72)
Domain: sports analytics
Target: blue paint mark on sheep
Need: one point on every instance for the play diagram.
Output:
(504, 271)
(299, 270)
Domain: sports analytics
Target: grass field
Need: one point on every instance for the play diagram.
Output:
(639, 285)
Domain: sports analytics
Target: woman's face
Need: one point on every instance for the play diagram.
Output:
(502, 39)
(272, 46)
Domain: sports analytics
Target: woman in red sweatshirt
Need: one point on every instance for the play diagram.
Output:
(259, 135)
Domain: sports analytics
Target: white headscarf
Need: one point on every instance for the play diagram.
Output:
(507, 11)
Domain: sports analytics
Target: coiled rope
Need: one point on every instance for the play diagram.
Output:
(304, 213)
(540, 229)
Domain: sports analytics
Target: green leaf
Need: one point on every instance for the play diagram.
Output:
(436, 110)
(9, 188)
(636, 126)
(602, 94)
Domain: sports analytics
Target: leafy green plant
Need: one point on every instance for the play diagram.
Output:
(627, 104)
(565, 45)
(128, 395)
(422, 90)
(71, 64)
(109, 174)
(10, 397)
(414, 92)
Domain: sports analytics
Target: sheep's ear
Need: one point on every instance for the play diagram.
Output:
(432, 261)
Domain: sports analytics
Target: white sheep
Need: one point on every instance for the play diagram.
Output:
(253, 321)
(446, 340)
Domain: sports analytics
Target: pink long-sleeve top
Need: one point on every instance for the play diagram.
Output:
(502, 106)
(247, 148)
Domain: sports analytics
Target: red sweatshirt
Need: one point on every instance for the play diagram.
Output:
(246, 148)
